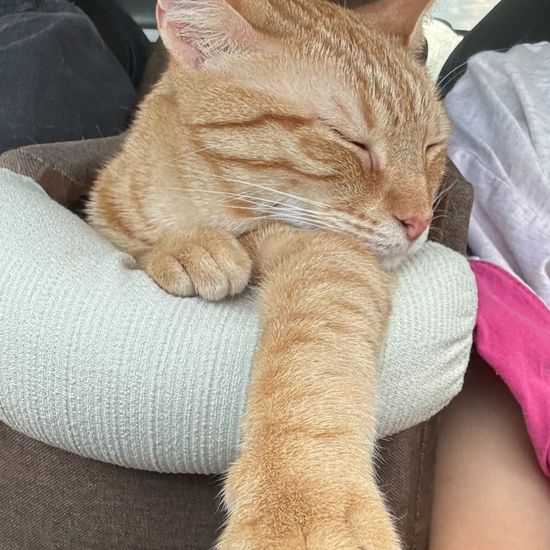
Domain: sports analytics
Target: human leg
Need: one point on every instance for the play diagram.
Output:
(489, 492)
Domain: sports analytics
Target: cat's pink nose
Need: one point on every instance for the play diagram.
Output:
(415, 225)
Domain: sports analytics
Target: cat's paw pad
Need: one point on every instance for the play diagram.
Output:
(206, 262)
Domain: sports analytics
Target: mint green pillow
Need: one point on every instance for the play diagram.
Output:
(97, 360)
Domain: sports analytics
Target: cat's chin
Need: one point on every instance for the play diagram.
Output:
(394, 262)
(391, 262)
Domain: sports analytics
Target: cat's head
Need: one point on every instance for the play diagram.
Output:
(313, 114)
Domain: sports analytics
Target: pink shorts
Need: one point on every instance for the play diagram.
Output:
(513, 336)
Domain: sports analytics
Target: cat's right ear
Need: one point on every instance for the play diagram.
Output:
(400, 18)
(172, 34)
(195, 31)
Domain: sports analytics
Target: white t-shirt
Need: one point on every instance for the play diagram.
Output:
(500, 110)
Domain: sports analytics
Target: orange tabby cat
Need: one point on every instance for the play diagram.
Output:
(305, 475)
(307, 113)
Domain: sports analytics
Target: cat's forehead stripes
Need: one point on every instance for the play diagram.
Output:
(379, 72)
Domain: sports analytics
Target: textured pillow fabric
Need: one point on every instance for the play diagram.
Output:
(96, 359)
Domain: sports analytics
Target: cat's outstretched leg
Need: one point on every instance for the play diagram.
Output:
(207, 262)
(305, 477)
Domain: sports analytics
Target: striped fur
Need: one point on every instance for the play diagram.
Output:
(303, 112)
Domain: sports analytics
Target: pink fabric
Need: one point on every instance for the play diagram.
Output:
(513, 336)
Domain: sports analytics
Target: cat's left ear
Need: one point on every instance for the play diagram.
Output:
(195, 31)
(401, 18)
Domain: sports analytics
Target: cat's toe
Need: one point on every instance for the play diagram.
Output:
(216, 274)
(209, 263)
(259, 537)
(324, 536)
(356, 522)
(193, 274)
(230, 258)
(209, 280)
(168, 273)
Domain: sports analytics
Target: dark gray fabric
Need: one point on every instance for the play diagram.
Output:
(121, 33)
(59, 81)
(51, 499)
(54, 500)
(452, 215)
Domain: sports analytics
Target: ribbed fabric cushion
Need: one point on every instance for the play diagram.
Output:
(96, 359)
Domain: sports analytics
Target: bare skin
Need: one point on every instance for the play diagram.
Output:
(490, 493)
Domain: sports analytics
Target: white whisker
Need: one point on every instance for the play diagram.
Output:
(324, 216)
(289, 218)
(442, 82)
(317, 213)
(310, 221)
(442, 192)
(298, 212)
(296, 221)
(277, 210)
(189, 153)
(265, 188)
(237, 196)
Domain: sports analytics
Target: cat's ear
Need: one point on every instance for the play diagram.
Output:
(402, 18)
(194, 31)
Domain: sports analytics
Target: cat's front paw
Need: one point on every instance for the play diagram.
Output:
(345, 521)
(206, 262)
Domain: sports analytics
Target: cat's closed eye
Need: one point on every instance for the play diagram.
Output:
(434, 146)
(366, 153)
